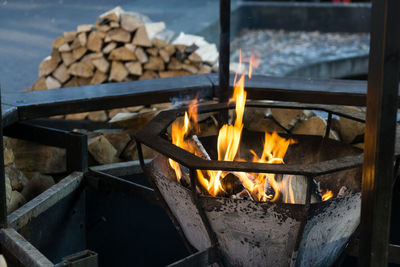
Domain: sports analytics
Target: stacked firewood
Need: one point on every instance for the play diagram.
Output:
(121, 47)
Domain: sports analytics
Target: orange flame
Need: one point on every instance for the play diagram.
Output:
(228, 143)
(327, 195)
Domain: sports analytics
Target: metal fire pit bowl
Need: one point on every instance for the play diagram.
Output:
(250, 233)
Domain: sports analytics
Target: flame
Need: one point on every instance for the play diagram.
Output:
(327, 195)
(228, 143)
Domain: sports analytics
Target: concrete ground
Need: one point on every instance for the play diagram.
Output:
(28, 28)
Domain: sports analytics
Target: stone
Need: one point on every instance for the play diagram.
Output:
(122, 53)
(119, 35)
(129, 23)
(17, 200)
(98, 116)
(52, 83)
(94, 42)
(37, 185)
(61, 74)
(134, 68)
(47, 66)
(102, 150)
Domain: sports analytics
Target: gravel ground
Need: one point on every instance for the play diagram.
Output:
(282, 52)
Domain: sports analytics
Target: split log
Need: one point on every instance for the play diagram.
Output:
(59, 42)
(155, 63)
(94, 42)
(141, 38)
(164, 55)
(148, 74)
(129, 23)
(77, 116)
(101, 64)
(16, 201)
(78, 52)
(47, 66)
(67, 58)
(52, 83)
(98, 77)
(81, 69)
(61, 73)
(17, 178)
(37, 185)
(172, 73)
(152, 51)
(40, 84)
(102, 150)
(108, 48)
(122, 53)
(118, 71)
(134, 68)
(141, 55)
(84, 28)
(64, 48)
(82, 38)
(69, 36)
(118, 35)
(118, 140)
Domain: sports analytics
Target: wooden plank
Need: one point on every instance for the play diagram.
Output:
(97, 97)
(380, 133)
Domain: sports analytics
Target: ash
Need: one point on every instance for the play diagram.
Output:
(282, 52)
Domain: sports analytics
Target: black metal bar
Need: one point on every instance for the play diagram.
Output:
(223, 91)
(161, 199)
(377, 180)
(199, 259)
(3, 197)
(328, 125)
(110, 182)
(74, 143)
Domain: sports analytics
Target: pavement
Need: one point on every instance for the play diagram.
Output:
(28, 28)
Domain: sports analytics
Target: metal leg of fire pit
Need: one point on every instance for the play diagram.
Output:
(377, 182)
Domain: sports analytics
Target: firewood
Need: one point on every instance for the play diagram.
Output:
(286, 117)
(119, 35)
(69, 36)
(47, 66)
(75, 44)
(344, 191)
(349, 129)
(200, 151)
(16, 201)
(114, 24)
(102, 150)
(174, 64)
(189, 68)
(64, 48)
(204, 69)
(52, 83)
(170, 49)
(55, 55)
(173, 73)
(181, 48)
(131, 47)
(118, 140)
(101, 64)
(115, 111)
(112, 16)
(82, 81)
(141, 38)
(67, 58)
(141, 55)
(155, 63)
(134, 68)
(108, 48)
(81, 69)
(39, 84)
(17, 178)
(148, 75)
(194, 57)
(84, 28)
(91, 56)
(135, 109)
(8, 156)
(94, 42)
(118, 71)
(59, 42)
(164, 55)
(98, 116)
(101, 35)
(152, 51)
(98, 77)
(122, 53)
(129, 23)
(77, 116)
(82, 38)
(103, 28)
(158, 43)
(313, 126)
(244, 194)
(78, 52)
(38, 183)
(61, 73)
(132, 121)
(72, 82)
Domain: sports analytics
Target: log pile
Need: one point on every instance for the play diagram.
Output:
(121, 47)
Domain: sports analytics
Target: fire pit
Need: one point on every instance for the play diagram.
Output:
(257, 212)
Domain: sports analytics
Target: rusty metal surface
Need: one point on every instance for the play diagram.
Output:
(20, 250)
(180, 201)
(328, 229)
